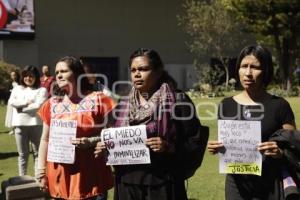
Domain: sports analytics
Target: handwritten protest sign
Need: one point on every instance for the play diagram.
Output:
(240, 139)
(126, 145)
(60, 149)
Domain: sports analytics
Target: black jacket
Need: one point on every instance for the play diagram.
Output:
(289, 142)
(191, 137)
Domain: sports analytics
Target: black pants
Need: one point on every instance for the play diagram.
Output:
(166, 191)
(243, 187)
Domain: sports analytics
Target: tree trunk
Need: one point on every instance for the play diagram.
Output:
(282, 51)
(283, 60)
(286, 63)
(225, 64)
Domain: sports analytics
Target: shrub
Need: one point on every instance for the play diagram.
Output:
(279, 91)
(5, 81)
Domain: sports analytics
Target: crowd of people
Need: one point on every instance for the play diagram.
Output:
(74, 96)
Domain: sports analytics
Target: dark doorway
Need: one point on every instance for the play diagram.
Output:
(108, 66)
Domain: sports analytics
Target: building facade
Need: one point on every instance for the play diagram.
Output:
(104, 30)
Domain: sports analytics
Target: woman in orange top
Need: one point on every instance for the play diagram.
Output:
(88, 176)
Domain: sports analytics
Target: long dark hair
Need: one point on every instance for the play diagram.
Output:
(31, 70)
(153, 57)
(156, 63)
(76, 67)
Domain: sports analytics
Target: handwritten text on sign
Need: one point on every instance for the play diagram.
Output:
(60, 149)
(240, 139)
(126, 145)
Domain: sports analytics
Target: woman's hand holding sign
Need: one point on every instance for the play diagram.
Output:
(82, 142)
(270, 149)
(99, 149)
(215, 147)
(157, 144)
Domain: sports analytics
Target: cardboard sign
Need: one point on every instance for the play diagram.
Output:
(60, 148)
(126, 145)
(240, 139)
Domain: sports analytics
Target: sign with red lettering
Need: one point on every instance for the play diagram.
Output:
(126, 145)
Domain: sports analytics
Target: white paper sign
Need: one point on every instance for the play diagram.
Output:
(60, 148)
(240, 139)
(126, 145)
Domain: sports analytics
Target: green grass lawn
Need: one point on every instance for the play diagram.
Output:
(207, 183)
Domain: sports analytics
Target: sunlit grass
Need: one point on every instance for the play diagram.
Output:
(207, 183)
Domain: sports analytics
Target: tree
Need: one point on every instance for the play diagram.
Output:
(212, 30)
(5, 69)
(275, 22)
(5, 81)
(210, 75)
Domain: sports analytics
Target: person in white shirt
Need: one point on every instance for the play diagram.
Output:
(15, 81)
(26, 100)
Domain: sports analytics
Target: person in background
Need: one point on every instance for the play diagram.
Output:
(255, 70)
(26, 99)
(96, 86)
(88, 177)
(94, 80)
(15, 78)
(15, 81)
(12, 10)
(47, 80)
